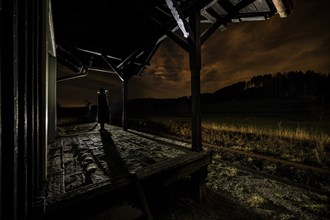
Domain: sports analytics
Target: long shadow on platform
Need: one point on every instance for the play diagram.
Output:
(116, 165)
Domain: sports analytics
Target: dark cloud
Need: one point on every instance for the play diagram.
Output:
(298, 42)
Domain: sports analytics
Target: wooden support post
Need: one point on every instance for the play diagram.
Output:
(142, 196)
(195, 67)
(198, 184)
(124, 103)
(194, 48)
(198, 178)
(52, 70)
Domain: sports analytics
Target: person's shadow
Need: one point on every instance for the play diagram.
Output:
(116, 165)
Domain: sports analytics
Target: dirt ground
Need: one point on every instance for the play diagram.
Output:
(234, 194)
(230, 194)
(176, 203)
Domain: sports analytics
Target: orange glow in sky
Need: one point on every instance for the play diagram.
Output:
(298, 42)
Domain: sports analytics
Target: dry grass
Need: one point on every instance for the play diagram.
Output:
(296, 145)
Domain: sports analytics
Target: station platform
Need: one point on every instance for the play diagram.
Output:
(114, 166)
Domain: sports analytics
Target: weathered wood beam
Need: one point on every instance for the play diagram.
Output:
(188, 163)
(208, 32)
(127, 72)
(190, 7)
(195, 67)
(130, 57)
(179, 40)
(232, 11)
(124, 78)
(113, 67)
(66, 78)
(242, 4)
(180, 19)
(142, 196)
(283, 8)
(124, 103)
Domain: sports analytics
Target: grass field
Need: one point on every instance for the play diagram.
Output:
(293, 129)
(301, 141)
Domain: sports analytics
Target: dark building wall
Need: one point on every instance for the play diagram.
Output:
(21, 148)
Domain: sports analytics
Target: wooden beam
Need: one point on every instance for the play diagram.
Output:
(232, 11)
(178, 40)
(142, 196)
(113, 67)
(180, 19)
(159, 34)
(197, 159)
(124, 103)
(227, 6)
(130, 57)
(242, 4)
(212, 29)
(198, 184)
(167, 172)
(195, 67)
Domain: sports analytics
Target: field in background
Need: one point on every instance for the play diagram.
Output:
(293, 129)
(301, 143)
(291, 132)
(305, 142)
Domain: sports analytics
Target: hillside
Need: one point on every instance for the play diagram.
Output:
(281, 93)
(294, 95)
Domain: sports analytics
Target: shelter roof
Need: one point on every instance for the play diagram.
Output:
(122, 36)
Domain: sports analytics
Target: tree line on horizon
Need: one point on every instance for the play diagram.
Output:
(279, 85)
(293, 84)
(287, 84)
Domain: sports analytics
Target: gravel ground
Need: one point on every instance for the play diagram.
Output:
(268, 198)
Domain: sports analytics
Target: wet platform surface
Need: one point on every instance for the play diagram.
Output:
(84, 160)
(83, 156)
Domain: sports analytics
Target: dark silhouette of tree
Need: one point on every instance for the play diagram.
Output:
(290, 84)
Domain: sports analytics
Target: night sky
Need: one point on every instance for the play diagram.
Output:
(298, 42)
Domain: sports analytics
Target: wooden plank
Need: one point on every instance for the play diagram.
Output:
(251, 8)
(171, 164)
(184, 171)
(262, 6)
(167, 172)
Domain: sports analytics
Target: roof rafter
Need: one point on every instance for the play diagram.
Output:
(94, 27)
(232, 11)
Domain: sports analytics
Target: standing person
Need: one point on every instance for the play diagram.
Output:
(103, 109)
(89, 111)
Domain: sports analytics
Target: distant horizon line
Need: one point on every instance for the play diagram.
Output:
(188, 96)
